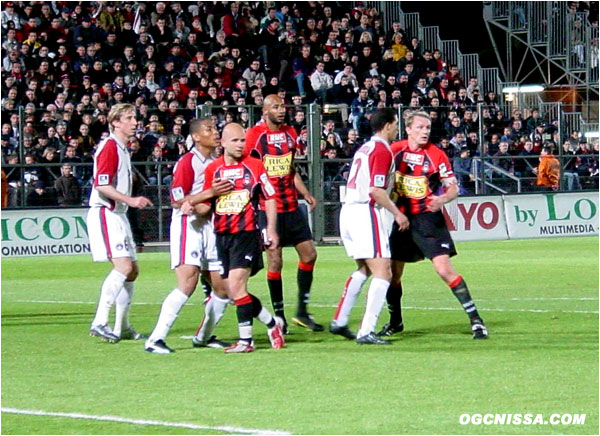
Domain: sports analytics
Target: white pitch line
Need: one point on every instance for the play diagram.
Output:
(487, 309)
(226, 429)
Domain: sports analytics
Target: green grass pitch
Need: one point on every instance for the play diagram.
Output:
(539, 299)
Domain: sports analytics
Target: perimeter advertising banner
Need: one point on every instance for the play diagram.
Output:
(44, 232)
(476, 219)
(551, 215)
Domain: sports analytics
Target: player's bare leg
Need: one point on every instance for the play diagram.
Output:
(459, 288)
(382, 275)
(352, 289)
(248, 307)
(393, 298)
(123, 268)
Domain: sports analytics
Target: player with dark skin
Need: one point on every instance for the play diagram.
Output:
(274, 113)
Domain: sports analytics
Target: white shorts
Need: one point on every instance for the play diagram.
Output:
(365, 231)
(193, 242)
(110, 235)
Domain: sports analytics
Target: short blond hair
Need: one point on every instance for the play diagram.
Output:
(410, 116)
(117, 111)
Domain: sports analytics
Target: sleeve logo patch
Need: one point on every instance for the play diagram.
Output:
(177, 193)
(267, 185)
(103, 179)
(379, 181)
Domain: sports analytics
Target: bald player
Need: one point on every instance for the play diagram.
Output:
(275, 144)
(239, 245)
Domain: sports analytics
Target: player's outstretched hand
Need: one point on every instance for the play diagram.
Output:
(312, 201)
(221, 186)
(402, 221)
(140, 202)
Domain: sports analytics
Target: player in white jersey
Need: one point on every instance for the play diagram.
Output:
(193, 244)
(365, 225)
(108, 227)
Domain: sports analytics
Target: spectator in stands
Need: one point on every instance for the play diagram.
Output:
(351, 144)
(548, 170)
(321, 82)
(360, 105)
(158, 170)
(503, 160)
(329, 129)
(302, 66)
(462, 165)
(67, 188)
(40, 196)
(569, 166)
(525, 165)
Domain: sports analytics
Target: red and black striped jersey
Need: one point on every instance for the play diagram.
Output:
(419, 174)
(237, 211)
(276, 149)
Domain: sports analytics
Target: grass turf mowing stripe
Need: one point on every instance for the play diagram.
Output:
(485, 309)
(227, 429)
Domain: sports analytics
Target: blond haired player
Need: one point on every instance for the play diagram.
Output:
(108, 227)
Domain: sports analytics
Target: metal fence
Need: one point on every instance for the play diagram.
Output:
(324, 177)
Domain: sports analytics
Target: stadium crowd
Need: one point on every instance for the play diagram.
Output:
(67, 63)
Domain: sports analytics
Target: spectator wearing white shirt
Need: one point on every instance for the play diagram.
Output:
(320, 81)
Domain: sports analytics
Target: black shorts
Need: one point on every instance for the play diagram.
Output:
(292, 227)
(427, 237)
(240, 250)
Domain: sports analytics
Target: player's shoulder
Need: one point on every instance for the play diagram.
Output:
(397, 146)
(252, 162)
(109, 143)
(220, 161)
(434, 151)
(289, 129)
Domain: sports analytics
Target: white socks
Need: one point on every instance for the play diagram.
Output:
(375, 301)
(213, 312)
(351, 292)
(122, 305)
(168, 314)
(111, 287)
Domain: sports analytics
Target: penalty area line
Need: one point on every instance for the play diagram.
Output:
(226, 429)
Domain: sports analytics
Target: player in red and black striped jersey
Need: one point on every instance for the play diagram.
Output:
(238, 236)
(423, 183)
(275, 144)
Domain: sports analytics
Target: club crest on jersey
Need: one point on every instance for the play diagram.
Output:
(233, 173)
(247, 179)
(103, 179)
(177, 193)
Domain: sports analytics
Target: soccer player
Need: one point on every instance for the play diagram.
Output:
(275, 144)
(193, 244)
(238, 236)
(365, 224)
(108, 227)
(424, 182)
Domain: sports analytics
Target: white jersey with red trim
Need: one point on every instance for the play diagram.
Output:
(188, 176)
(112, 166)
(372, 166)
